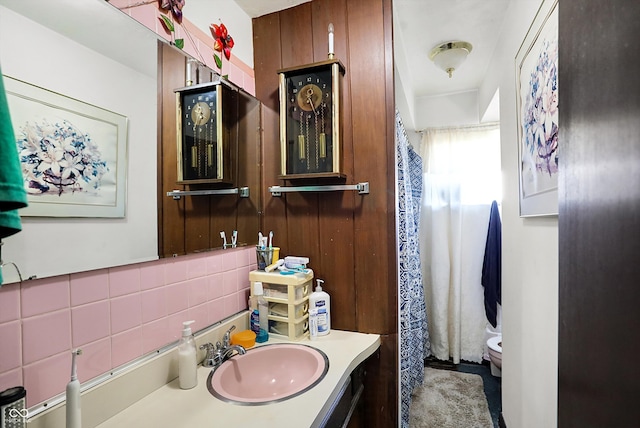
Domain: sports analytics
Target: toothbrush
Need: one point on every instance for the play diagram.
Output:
(73, 395)
(224, 239)
(271, 239)
(260, 241)
(234, 238)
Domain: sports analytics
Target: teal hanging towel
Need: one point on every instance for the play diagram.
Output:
(12, 193)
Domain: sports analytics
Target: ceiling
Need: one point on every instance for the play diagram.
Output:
(419, 25)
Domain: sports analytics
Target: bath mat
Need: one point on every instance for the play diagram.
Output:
(449, 399)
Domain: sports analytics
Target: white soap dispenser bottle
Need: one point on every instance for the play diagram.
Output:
(187, 358)
(320, 301)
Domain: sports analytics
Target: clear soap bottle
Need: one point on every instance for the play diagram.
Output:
(260, 313)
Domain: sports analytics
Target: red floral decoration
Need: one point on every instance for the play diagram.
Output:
(223, 42)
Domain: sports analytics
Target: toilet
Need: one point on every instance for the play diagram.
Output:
(494, 346)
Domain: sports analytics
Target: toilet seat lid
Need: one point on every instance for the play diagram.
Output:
(495, 343)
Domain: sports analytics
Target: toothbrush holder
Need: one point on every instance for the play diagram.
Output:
(264, 256)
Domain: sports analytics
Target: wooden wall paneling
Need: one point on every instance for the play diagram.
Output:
(274, 209)
(369, 123)
(392, 256)
(296, 36)
(249, 175)
(336, 210)
(266, 60)
(598, 221)
(359, 260)
(296, 39)
(376, 307)
(172, 76)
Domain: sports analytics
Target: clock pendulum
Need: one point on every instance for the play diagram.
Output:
(323, 136)
(301, 139)
(307, 140)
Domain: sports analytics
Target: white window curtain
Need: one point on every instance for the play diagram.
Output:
(462, 176)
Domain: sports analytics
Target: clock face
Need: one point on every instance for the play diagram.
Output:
(199, 134)
(309, 127)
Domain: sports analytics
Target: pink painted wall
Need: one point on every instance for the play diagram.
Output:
(115, 315)
(197, 43)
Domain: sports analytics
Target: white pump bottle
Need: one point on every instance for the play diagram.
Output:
(187, 358)
(321, 301)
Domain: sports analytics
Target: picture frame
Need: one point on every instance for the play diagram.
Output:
(537, 114)
(73, 154)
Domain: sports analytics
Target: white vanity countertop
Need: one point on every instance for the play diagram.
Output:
(171, 406)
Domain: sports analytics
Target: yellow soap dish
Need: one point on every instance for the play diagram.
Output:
(246, 338)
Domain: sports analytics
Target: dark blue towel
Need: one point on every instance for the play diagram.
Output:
(492, 266)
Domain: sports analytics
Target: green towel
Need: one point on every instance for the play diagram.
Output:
(12, 193)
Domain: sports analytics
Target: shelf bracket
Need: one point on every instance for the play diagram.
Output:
(243, 192)
(362, 188)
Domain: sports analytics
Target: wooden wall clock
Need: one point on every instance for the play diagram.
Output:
(310, 120)
(206, 117)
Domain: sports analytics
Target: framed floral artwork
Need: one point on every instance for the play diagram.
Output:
(73, 154)
(537, 107)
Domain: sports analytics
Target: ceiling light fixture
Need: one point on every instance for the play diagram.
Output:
(450, 55)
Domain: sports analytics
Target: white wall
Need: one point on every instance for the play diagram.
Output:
(37, 55)
(529, 257)
(447, 110)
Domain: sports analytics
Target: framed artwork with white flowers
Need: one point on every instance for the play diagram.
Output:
(537, 107)
(73, 154)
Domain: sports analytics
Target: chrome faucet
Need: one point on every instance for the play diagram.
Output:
(221, 352)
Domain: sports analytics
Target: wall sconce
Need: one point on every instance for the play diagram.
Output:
(450, 55)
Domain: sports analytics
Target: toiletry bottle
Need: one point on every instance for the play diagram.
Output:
(262, 309)
(187, 359)
(313, 323)
(72, 393)
(321, 301)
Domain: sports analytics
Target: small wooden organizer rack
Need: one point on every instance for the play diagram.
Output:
(288, 299)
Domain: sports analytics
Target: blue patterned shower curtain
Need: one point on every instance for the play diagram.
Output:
(414, 334)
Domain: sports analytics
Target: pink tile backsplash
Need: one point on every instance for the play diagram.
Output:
(152, 275)
(197, 267)
(200, 315)
(47, 378)
(45, 335)
(11, 355)
(126, 312)
(87, 287)
(9, 302)
(11, 378)
(90, 323)
(175, 271)
(95, 359)
(215, 286)
(153, 303)
(44, 295)
(154, 335)
(177, 296)
(115, 315)
(229, 282)
(198, 291)
(124, 280)
(126, 346)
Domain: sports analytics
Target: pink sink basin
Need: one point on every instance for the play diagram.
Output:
(268, 374)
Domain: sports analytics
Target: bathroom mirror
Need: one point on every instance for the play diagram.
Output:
(88, 50)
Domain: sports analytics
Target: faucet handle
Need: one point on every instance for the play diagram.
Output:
(226, 340)
(209, 358)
